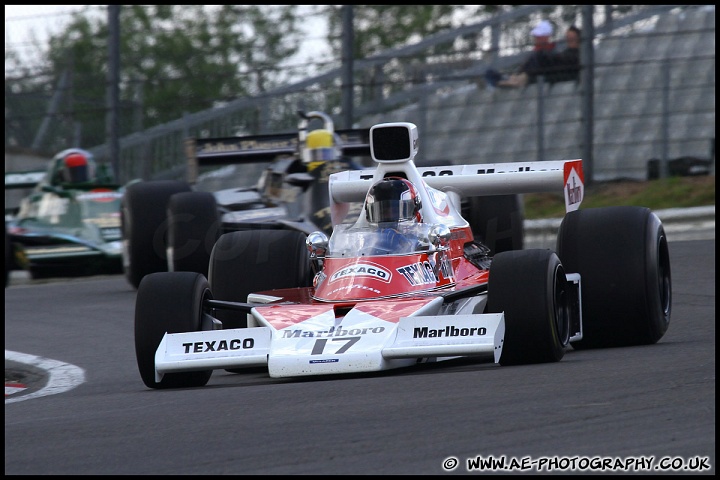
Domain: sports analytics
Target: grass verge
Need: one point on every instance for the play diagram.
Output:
(673, 192)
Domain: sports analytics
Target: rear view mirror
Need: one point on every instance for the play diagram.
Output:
(393, 142)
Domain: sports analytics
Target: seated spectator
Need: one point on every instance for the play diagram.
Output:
(542, 44)
(542, 34)
(554, 66)
(565, 65)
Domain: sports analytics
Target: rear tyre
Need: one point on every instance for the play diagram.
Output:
(144, 227)
(531, 288)
(169, 302)
(193, 228)
(622, 256)
(496, 221)
(253, 261)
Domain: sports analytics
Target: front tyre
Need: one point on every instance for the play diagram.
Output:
(531, 288)
(169, 302)
(622, 256)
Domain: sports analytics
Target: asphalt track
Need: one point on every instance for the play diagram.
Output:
(595, 407)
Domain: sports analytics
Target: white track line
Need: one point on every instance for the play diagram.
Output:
(62, 376)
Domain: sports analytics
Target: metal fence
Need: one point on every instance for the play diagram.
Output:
(646, 94)
(653, 97)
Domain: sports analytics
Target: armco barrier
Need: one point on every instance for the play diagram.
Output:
(695, 223)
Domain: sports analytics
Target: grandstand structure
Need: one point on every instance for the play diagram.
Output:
(652, 95)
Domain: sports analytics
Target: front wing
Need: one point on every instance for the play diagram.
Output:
(359, 343)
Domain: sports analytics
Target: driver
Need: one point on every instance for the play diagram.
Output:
(393, 204)
(73, 166)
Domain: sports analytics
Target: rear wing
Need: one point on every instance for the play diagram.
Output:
(202, 152)
(474, 180)
(26, 179)
(394, 146)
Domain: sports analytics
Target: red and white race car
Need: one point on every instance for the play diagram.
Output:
(405, 282)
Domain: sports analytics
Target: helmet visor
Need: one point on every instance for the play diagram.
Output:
(392, 210)
(76, 168)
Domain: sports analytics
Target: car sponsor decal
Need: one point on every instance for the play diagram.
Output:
(371, 270)
(219, 345)
(574, 185)
(441, 335)
(214, 348)
(448, 331)
(439, 202)
(427, 272)
(106, 222)
(111, 233)
(319, 279)
(250, 215)
(333, 331)
(246, 145)
(23, 179)
(32, 251)
(100, 195)
(419, 273)
(52, 206)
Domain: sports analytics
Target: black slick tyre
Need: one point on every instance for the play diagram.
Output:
(255, 260)
(193, 228)
(169, 302)
(622, 256)
(144, 227)
(496, 221)
(530, 287)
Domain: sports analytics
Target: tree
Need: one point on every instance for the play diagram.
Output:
(175, 59)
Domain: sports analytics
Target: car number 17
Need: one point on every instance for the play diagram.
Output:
(319, 347)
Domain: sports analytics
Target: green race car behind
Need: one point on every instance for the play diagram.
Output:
(69, 224)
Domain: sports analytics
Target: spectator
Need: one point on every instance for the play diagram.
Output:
(542, 44)
(542, 34)
(554, 66)
(565, 65)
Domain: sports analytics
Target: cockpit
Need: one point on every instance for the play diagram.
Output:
(383, 239)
